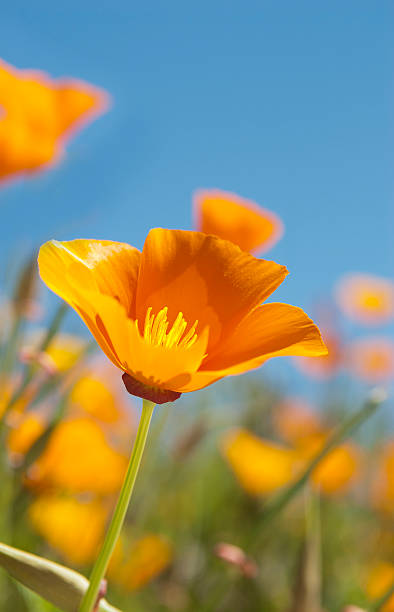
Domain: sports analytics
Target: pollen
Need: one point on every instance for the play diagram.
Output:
(157, 332)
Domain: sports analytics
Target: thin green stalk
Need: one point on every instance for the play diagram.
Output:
(275, 505)
(90, 598)
(379, 603)
(30, 370)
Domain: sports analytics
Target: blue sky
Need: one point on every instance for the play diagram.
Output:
(287, 103)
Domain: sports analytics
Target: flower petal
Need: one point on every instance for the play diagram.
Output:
(206, 278)
(241, 221)
(269, 330)
(77, 104)
(101, 266)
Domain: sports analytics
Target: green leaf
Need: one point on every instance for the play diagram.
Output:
(59, 585)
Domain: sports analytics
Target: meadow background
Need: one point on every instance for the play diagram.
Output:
(289, 105)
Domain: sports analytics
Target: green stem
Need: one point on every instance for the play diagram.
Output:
(90, 598)
(30, 370)
(378, 604)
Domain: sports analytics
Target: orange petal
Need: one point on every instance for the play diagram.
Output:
(77, 104)
(271, 330)
(268, 331)
(233, 218)
(102, 266)
(206, 278)
(260, 465)
(153, 365)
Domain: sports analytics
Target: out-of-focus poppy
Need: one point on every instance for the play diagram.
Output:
(383, 481)
(73, 527)
(294, 419)
(380, 579)
(233, 218)
(25, 429)
(337, 472)
(92, 396)
(38, 115)
(371, 359)
(367, 299)
(182, 314)
(260, 465)
(78, 458)
(134, 565)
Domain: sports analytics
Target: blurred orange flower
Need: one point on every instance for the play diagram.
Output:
(233, 218)
(294, 419)
(140, 562)
(383, 481)
(338, 470)
(325, 366)
(180, 315)
(72, 527)
(95, 398)
(25, 429)
(367, 299)
(38, 115)
(260, 465)
(380, 579)
(78, 458)
(371, 359)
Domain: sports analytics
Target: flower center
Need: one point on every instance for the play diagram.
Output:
(156, 326)
(373, 302)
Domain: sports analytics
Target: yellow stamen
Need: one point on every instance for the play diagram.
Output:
(155, 330)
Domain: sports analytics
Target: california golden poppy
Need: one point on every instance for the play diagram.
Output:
(38, 115)
(337, 472)
(371, 359)
(78, 459)
(25, 429)
(74, 528)
(379, 580)
(182, 314)
(383, 480)
(294, 419)
(134, 565)
(260, 465)
(245, 223)
(367, 299)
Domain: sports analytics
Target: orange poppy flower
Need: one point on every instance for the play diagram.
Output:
(380, 579)
(26, 429)
(337, 472)
(180, 315)
(233, 218)
(371, 359)
(74, 528)
(325, 366)
(38, 115)
(294, 419)
(367, 299)
(136, 564)
(260, 465)
(78, 459)
(383, 481)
